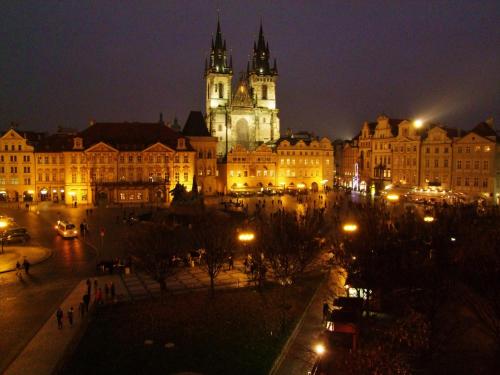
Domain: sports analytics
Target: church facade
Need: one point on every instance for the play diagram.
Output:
(249, 115)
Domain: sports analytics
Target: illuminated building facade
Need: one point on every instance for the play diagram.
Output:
(295, 162)
(249, 117)
(399, 153)
(105, 163)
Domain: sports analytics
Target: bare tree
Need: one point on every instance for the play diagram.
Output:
(289, 244)
(216, 239)
(153, 246)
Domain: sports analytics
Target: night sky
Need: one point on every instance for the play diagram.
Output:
(340, 62)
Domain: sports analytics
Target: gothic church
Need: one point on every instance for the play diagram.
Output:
(248, 116)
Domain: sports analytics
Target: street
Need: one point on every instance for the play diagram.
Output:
(25, 305)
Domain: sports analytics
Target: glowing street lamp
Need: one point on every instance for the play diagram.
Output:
(418, 123)
(246, 237)
(3, 224)
(429, 219)
(350, 227)
(319, 349)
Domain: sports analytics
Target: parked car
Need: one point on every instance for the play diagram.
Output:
(15, 235)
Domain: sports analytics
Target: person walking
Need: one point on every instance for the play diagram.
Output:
(59, 317)
(113, 291)
(18, 269)
(26, 266)
(70, 316)
(326, 311)
(86, 301)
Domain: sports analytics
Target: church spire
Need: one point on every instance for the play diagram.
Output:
(260, 61)
(218, 54)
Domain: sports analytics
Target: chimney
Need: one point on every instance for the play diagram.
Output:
(161, 117)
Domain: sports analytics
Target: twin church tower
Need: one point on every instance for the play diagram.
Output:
(248, 116)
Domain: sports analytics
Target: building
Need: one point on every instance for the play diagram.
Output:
(476, 166)
(205, 146)
(348, 175)
(406, 155)
(433, 157)
(297, 161)
(249, 116)
(17, 167)
(437, 158)
(105, 163)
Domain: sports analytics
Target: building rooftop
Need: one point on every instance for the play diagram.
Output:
(195, 125)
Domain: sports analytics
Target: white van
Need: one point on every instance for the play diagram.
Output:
(66, 229)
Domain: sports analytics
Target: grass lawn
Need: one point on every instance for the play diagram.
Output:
(236, 333)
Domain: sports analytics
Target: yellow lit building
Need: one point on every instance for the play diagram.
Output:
(205, 146)
(296, 162)
(432, 157)
(437, 158)
(105, 163)
(476, 163)
(406, 155)
(17, 167)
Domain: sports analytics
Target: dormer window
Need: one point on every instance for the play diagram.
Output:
(77, 143)
(181, 143)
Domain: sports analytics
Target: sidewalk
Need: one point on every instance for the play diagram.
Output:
(12, 254)
(297, 356)
(46, 350)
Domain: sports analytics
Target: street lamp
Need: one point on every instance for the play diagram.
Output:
(350, 227)
(418, 123)
(246, 237)
(319, 349)
(429, 219)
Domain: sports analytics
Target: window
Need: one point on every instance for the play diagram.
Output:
(476, 181)
(427, 150)
(26, 158)
(13, 169)
(186, 159)
(427, 163)
(436, 163)
(221, 91)
(476, 164)
(467, 150)
(485, 182)
(466, 181)
(1, 158)
(445, 163)
(459, 164)
(26, 169)
(459, 181)
(436, 150)
(130, 158)
(485, 164)
(186, 176)
(446, 150)
(122, 159)
(176, 175)
(158, 158)
(27, 181)
(467, 164)
(477, 148)
(264, 92)
(6, 148)
(176, 158)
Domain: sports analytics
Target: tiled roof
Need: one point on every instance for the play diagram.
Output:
(195, 125)
(485, 130)
(130, 136)
(54, 143)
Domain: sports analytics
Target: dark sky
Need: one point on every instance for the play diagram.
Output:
(340, 62)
